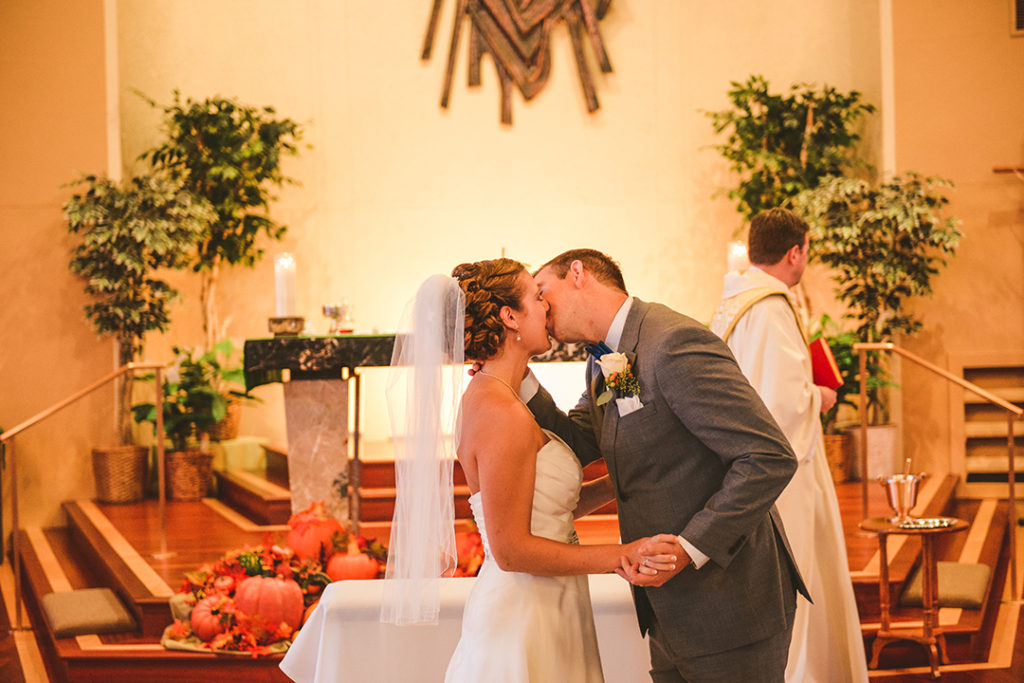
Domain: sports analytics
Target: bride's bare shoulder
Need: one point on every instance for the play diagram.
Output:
(494, 413)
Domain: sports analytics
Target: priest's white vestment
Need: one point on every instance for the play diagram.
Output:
(759, 321)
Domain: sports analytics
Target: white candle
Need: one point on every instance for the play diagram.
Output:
(737, 256)
(284, 280)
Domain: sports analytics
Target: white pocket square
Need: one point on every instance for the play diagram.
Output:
(628, 405)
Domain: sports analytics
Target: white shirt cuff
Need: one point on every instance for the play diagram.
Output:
(529, 387)
(698, 558)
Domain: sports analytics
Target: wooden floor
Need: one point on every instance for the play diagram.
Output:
(202, 532)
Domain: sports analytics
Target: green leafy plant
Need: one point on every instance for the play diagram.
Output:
(226, 372)
(884, 245)
(230, 154)
(782, 144)
(848, 361)
(128, 232)
(196, 393)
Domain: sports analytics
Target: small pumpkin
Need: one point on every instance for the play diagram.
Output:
(352, 565)
(309, 611)
(209, 618)
(313, 533)
(224, 585)
(272, 599)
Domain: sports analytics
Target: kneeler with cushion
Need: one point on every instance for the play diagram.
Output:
(86, 611)
(961, 584)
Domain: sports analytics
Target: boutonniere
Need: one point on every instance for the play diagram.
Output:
(618, 378)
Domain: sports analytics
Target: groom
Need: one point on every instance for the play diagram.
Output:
(695, 453)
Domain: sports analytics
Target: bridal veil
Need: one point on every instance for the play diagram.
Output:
(423, 392)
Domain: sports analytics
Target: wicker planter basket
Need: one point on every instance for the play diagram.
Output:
(120, 473)
(188, 474)
(228, 427)
(839, 453)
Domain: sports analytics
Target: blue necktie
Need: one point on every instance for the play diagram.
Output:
(597, 350)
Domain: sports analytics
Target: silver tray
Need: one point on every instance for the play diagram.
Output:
(926, 523)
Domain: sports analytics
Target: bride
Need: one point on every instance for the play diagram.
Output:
(528, 616)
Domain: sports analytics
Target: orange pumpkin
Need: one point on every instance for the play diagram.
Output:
(208, 617)
(352, 565)
(313, 533)
(309, 610)
(271, 598)
(224, 585)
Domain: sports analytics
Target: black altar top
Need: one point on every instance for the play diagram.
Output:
(324, 357)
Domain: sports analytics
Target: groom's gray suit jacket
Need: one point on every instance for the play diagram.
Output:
(704, 459)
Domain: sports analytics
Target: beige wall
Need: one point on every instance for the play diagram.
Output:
(959, 79)
(52, 123)
(396, 188)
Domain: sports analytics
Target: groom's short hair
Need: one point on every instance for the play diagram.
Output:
(604, 269)
(773, 232)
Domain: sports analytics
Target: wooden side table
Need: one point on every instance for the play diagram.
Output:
(931, 635)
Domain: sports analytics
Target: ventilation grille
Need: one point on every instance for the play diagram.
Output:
(1017, 27)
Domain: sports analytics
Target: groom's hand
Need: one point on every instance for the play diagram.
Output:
(650, 569)
(632, 574)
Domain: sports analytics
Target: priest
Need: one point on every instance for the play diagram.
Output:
(758, 318)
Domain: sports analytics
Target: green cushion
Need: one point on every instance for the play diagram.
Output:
(90, 610)
(961, 584)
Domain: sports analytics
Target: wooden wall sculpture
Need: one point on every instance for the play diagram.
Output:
(516, 34)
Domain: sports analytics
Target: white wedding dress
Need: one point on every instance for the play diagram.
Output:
(519, 627)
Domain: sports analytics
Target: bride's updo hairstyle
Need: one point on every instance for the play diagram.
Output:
(488, 285)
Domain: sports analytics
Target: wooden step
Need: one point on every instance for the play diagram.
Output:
(276, 464)
(378, 504)
(54, 560)
(258, 498)
(118, 566)
(376, 486)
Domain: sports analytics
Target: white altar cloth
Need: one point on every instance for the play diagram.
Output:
(345, 641)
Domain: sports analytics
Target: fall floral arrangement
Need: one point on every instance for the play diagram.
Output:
(470, 547)
(252, 601)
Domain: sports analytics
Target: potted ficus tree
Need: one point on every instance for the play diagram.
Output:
(127, 233)
(884, 243)
(230, 154)
(781, 144)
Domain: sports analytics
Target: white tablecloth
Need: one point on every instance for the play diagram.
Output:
(345, 641)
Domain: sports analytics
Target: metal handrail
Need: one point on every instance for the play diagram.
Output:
(1012, 412)
(7, 446)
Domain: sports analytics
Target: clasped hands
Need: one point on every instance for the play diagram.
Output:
(653, 560)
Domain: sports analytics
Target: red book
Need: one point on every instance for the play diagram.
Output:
(823, 365)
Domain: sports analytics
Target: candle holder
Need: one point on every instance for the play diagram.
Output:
(340, 316)
(286, 326)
